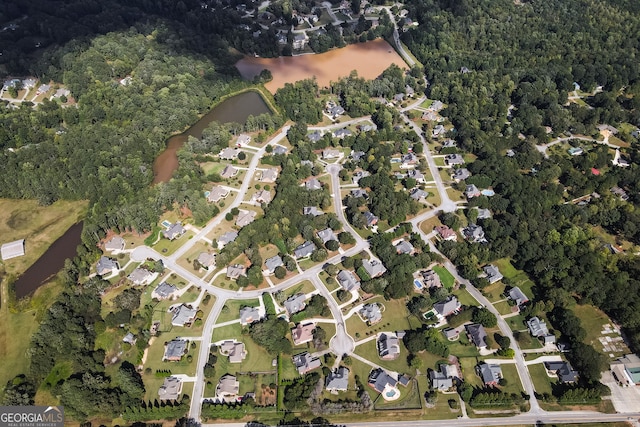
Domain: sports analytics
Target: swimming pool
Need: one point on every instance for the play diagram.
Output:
(488, 193)
(418, 284)
(166, 223)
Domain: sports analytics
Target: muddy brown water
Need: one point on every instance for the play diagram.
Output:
(235, 109)
(369, 59)
(50, 262)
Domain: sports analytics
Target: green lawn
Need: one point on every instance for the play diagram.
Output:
(592, 320)
(167, 247)
(510, 374)
(286, 368)
(370, 352)
(395, 317)
(445, 277)
(468, 365)
(541, 381)
(503, 307)
(427, 103)
(516, 277)
(494, 291)
(302, 287)
(226, 332)
(463, 348)
(233, 309)
(465, 297)
(410, 398)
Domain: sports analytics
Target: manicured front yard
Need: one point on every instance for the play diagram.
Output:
(166, 247)
(370, 352)
(541, 381)
(445, 277)
(232, 310)
(395, 317)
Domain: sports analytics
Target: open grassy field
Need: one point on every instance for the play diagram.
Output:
(516, 277)
(39, 225)
(593, 320)
(510, 374)
(541, 381)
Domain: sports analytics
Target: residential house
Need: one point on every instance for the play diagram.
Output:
(454, 159)
(443, 379)
(227, 388)
(374, 268)
(398, 97)
(627, 370)
(438, 130)
(460, 174)
(341, 133)
(12, 249)
(295, 303)
(315, 136)
(357, 176)
(477, 334)
(563, 370)
(472, 191)
(446, 233)
(206, 260)
(243, 139)
(269, 175)
(164, 291)
(249, 315)
(335, 110)
(140, 276)
(357, 155)
(170, 389)
(304, 250)
(174, 350)
(371, 313)
(174, 231)
(429, 116)
(347, 280)
(183, 315)
(483, 213)
(493, 275)
(227, 237)
(302, 334)
(576, 151)
(516, 295)
(229, 153)
(409, 159)
(326, 235)
(279, 149)
(245, 218)
(491, 374)
(359, 193)
(300, 40)
(474, 233)
(379, 380)
(449, 143)
(447, 307)
(370, 218)
(236, 270)
(234, 350)
(405, 247)
(608, 128)
(436, 106)
(229, 171)
(451, 334)
(338, 380)
(418, 194)
(106, 266)
(367, 128)
(114, 245)
(620, 193)
(304, 362)
(431, 279)
(261, 196)
(330, 153)
(273, 263)
(537, 327)
(217, 193)
(388, 346)
(313, 184)
(417, 175)
(311, 210)
(129, 339)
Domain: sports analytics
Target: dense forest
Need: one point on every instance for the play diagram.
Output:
(481, 58)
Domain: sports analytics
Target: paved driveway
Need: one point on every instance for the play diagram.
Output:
(624, 399)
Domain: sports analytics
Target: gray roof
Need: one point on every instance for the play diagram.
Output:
(170, 389)
(305, 362)
(565, 372)
(174, 230)
(359, 192)
(315, 136)
(261, 196)
(371, 313)
(106, 266)
(279, 149)
(116, 243)
(175, 349)
(295, 303)
(379, 379)
(311, 210)
(415, 174)
(357, 155)
(164, 290)
(330, 153)
(478, 334)
(206, 259)
(326, 235)
(245, 218)
(338, 379)
(12, 249)
(440, 380)
(404, 247)
(249, 315)
(409, 158)
(374, 267)
(269, 175)
(483, 213)
(471, 191)
(461, 174)
(235, 350)
(236, 270)
(490, 373)
(129, 338)
(228, 237)
(517, 295)
(537, 327)
(431, 279)
(454, 159)
(228, 385)
(447, 307)
(217, 192)
(229, 153)
(370, 218)
(183, 315)
(449, 143)
(229, 171)
(388, 346)
(347, 280)
(304, 250)
(492, 272)
(341, 133)
(139, 276)
(418, 194)
(474, 233)
(313, 184)
(273, 262)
